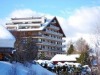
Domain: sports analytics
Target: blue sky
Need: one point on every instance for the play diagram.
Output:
(54, 7)
(76, 17)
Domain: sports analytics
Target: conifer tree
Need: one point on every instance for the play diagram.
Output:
(71, 49)
(42, 56)
(84, 57)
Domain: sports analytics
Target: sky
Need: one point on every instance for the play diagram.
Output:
(78, 18)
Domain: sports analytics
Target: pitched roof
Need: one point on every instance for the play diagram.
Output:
(57, 24)
(64, 57)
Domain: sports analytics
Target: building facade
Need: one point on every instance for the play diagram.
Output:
(47, 33)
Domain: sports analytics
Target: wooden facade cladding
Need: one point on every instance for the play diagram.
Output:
(24, 33)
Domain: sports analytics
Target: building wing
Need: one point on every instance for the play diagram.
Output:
(55, 22)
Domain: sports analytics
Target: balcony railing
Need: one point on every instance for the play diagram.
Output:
(26, 20)
(29, 24)
(54, 27)
(51, 44)
(51, 38)
(54, 50)
(54, 33)
(11, 27)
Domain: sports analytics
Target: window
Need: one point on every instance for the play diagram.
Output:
(26, 22)
(40, 46)
(43, 40)
(43, 46)
(39, 40)
(18, 22)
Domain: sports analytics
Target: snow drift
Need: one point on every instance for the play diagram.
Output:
(19, 69)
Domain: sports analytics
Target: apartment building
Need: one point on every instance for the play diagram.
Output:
(47, 33)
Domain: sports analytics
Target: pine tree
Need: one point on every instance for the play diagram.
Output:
(71, 49)
(42, 56)
(84, 57)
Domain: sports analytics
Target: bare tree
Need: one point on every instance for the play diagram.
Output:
(81, 45)
(26, 50)
(31, 49)
(96, 42)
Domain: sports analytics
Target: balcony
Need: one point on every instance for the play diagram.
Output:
(54, 33)
(63, 40)
(51, 38)
(48, 38)
(54, 27)
(48, 49)
(26, 20)
(11, 27)
(29, 24)
(63, 46)
(51, 44)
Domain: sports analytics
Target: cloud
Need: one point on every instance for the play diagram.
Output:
(24, 13)
(79, 24)
(3, 21)
(30, 13)
(27, 13)
(84, 18)
(82, 23)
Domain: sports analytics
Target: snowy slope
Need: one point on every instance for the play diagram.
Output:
(7, 68)
(4, 67)
(6, 38)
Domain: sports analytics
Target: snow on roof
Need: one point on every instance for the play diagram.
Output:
(6, 38)
(64, 57)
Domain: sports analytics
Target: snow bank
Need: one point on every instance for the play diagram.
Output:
(4, 67)
(7, 68)
(41, 71)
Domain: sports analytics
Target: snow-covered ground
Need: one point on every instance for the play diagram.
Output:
(7, 68)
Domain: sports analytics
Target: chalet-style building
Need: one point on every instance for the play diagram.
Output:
(7, 41)
(47, 33)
